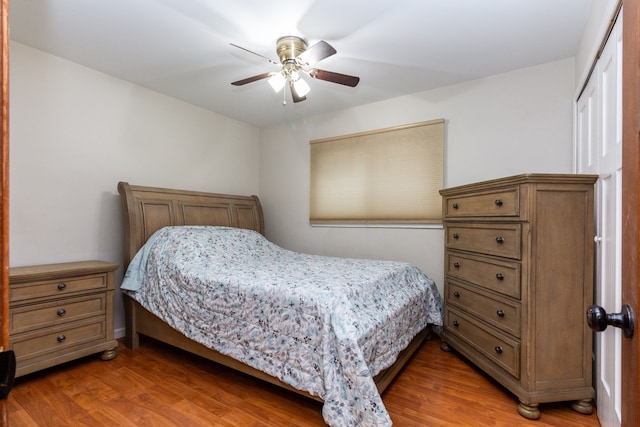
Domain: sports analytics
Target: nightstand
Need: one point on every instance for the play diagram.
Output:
(61, 312)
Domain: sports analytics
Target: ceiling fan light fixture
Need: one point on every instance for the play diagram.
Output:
(293, 73)
(277, 82)
(302, 88)
(295, 58)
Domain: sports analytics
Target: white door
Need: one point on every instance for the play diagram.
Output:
(599, 150)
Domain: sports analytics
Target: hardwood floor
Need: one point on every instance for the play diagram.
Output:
(158, 385)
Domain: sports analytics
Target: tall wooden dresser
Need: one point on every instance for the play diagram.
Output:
(60, 312)
(518, 281)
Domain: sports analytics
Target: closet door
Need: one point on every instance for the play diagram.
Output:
(599, 151)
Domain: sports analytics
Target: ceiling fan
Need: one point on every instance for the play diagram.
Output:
(296, 59)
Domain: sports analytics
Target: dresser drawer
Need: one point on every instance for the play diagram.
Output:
(35, 316)
(492, 344)
(55, 339)
(492, 239)
(499, 276)
(499, 312)
(57, 288)
(503, 203)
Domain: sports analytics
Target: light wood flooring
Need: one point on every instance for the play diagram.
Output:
(158, 385)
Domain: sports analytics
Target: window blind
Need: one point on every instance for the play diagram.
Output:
(391, 175)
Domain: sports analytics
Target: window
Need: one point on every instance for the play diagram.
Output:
(391, 175)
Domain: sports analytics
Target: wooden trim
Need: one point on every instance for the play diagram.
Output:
(4, 177)
(630, 200)
(4, 191)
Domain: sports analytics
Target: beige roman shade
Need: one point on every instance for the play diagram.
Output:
(391, 175)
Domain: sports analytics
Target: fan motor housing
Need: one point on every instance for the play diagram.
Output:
(289, 47)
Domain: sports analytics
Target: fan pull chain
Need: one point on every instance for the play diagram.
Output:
(284, 96)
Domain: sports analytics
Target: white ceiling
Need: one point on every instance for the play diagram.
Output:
(182, 47)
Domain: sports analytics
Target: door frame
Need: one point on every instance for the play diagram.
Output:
(4, 189)
(630, 193)
(4, 175)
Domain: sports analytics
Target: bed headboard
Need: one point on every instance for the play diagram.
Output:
(147, 209)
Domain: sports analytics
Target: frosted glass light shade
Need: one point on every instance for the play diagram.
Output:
(277, 82)
(302, 88)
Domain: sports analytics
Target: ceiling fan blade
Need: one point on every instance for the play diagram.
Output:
(252, 79)
(294, 94)
(257, 54)
(332, 77)
(316, 53)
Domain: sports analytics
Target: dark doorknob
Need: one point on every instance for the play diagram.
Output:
(598, 319)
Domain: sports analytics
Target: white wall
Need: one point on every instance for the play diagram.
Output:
(75, 132)
(507, 124)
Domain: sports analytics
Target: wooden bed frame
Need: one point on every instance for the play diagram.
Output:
(147, 209)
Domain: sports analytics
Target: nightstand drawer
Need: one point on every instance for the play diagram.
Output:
(57, 288)
(499, 276)
(501, 313)
(47, 341)
(492, 344)
(504, 203)
(492, 239)
(30, 317)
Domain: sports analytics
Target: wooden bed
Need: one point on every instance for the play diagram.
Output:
(147, 209)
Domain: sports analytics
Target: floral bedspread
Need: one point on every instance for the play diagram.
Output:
(325, 325)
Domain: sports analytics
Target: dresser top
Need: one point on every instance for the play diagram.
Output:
(529, 178)
(55, 271)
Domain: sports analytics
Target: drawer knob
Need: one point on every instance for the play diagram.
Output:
(456, 236)
(62, 286)
(500, 276)
(61, 312)
(456, 323)
(498, 350)
(500, 239)
(455, 206)
(61, 338)
(456, 265)
(500, 313)
(456, 294)
(498, 202)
